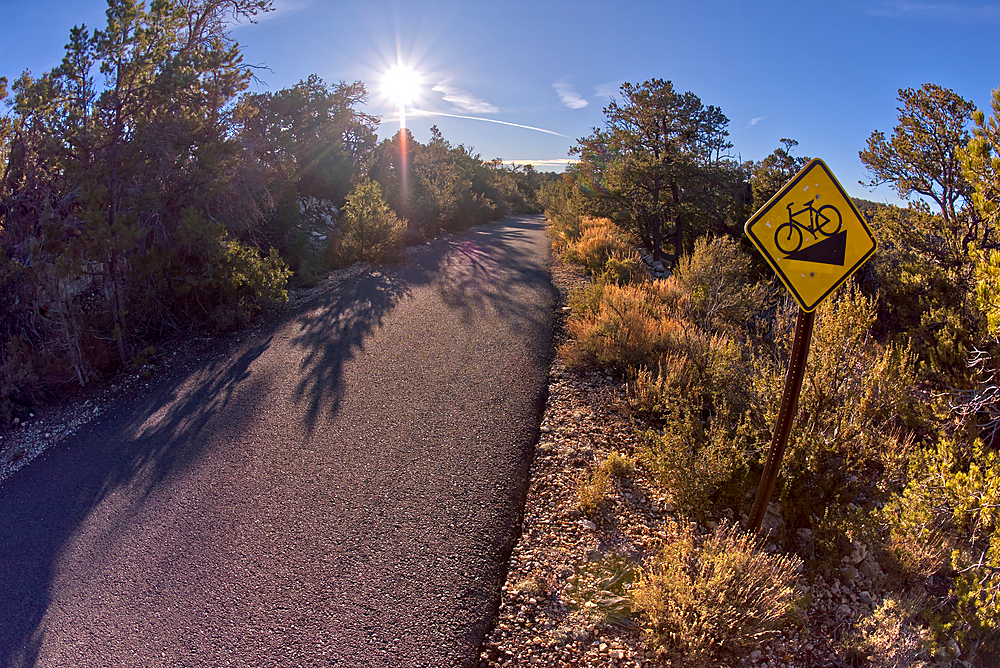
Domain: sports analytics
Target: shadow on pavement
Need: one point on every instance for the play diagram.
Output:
(143, 443)
(133, 449)
(479, 274)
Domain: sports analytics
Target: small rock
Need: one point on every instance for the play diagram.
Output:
(865, 597)
(755, 655)
(844, 611)
(850, 574)
(870, 568)
(950, 651)
(587, 524)
(668, 507)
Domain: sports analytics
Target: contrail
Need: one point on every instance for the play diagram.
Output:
(421, 112)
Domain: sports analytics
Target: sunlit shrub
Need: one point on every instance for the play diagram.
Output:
(847, 435)
(370, 230)
(706, 600)
(949, 514)
(601, 242)
(889, 637)
(593, 491)
(618, 465)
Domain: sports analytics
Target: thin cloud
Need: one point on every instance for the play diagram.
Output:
(279, 8)
(422, 112)
(941, 11)
(753, 122)
(607, 91)
(463, 100)
(568, 96)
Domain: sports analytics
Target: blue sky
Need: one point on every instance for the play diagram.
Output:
(532, 76)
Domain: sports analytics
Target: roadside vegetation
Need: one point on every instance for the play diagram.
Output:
(145, 194)
(893, 451)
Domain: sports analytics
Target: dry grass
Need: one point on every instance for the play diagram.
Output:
(593, 491)
(603, 249)
(704, 600)
(889, 638)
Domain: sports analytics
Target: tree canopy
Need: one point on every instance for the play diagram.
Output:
(661, 161)
(921, 156)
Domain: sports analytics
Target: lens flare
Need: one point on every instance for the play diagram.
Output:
(401, 85)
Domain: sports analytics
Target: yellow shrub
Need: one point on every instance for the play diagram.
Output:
(703, 602)
(601, 243)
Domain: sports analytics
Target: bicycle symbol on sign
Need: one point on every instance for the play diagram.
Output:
(825, 220)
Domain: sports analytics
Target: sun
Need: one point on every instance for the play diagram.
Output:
(401, 85)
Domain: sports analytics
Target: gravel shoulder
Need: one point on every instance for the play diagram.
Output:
(564, 599)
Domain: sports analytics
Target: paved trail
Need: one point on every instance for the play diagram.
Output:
(339, 490)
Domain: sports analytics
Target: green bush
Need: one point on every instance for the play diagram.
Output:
(370, 231)
(949, 515)
(702, 464)
(927, 298)
(848, 434)
(717, 279)
(708, 600)
(206, 276)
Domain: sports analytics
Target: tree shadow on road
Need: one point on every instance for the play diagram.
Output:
(331, 333)
(144, 443)
(488, 275)
(479, 274)
(132, 450)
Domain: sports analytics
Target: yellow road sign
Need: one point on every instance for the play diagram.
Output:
(812, 235)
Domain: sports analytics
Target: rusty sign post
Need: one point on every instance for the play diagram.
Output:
(786, 415)
(814, 238)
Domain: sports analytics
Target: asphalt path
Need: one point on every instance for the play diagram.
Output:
(342, 489)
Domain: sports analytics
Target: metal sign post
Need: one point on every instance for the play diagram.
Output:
(786, 415)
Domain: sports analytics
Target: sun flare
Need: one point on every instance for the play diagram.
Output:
(401, 85)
